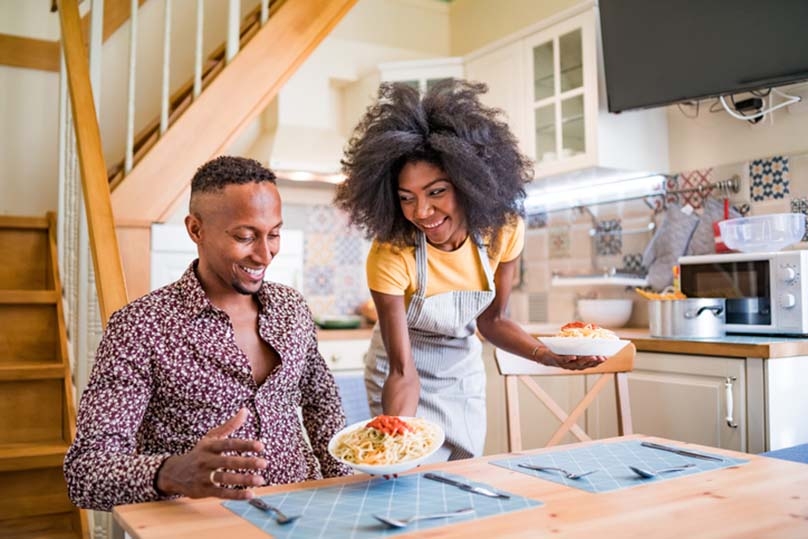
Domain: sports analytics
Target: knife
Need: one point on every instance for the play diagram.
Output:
(465, 486)
(682, 452)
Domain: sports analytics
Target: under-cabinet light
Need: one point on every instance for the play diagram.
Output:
(592, 192)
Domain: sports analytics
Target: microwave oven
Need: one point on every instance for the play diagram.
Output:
(765, 292)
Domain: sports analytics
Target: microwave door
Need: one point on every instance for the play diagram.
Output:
(746, 285)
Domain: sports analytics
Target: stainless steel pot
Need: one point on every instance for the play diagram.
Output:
(693, 318)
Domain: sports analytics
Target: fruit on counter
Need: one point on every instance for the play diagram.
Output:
(666, 296)
(368, 310)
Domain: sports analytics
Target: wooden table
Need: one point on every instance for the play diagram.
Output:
(764, 498)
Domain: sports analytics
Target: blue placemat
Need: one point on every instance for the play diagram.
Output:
(612, 461)
(345, 511)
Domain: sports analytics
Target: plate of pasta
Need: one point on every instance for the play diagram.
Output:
(584, 339)
(386, 445)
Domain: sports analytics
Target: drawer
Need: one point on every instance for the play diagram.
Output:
(344, 354)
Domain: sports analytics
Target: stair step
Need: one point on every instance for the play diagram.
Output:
(30, 328)
(18, 371)
(32, 411)
(59, 526)
(25, 252)
(33, 492)
(11, 222)
(25, 456)
(16, 297)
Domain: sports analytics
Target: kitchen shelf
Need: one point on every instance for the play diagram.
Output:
(600, 280)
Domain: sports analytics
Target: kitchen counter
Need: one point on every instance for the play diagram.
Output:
(344, 334)
(758, 346)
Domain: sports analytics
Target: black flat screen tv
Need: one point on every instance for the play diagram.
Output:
(659, 52)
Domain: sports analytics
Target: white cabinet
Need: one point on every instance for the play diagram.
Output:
(549, 79)
(502, 70)
(561, 70)
(696, 399)
(345, 358)
(538, 423)
(343, 354)
(422, 74)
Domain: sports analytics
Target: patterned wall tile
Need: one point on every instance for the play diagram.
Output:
(322, 219)
(770, 178)
(347, 249)
(351, 287)
(800, 205)
(319, 249)
(671, 184)
(321, 305)
(608, 237)
(538, 307)
(318, 280)
(537, 220)
(632, 263)
(698, 180)
(559, 241)
(333, 261)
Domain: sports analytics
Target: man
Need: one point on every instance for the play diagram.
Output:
(197, 385)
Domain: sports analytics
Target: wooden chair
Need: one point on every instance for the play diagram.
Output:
(515, 368)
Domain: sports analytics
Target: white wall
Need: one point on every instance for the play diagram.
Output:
(715, 138)
(28, 144)
(29, 97)
(115, 67)
(30, 18)
(475, 23)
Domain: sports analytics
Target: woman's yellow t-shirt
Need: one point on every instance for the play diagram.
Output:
(391, 270)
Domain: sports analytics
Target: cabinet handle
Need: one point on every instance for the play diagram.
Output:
(728, 394)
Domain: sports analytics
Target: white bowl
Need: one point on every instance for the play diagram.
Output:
(583, 346)
(386, 469)
(762, 233)
(607, 313)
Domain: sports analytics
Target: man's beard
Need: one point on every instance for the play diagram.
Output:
(241, 290)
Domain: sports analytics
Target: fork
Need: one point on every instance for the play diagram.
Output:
(280, 518)
(568, 475)
(403, 522)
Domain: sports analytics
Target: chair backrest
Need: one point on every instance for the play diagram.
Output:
(515, 368)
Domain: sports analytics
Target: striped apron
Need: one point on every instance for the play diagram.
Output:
(448, 357)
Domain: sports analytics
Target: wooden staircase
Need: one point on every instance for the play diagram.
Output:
(37, 414)
(180, 100)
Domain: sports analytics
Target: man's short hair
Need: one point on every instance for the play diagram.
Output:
(226, 170)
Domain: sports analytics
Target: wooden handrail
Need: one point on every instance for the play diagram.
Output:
(109, 278)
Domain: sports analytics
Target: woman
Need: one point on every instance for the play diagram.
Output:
(437, 182)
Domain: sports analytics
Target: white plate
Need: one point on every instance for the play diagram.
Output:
(385, 469)
(583, 346)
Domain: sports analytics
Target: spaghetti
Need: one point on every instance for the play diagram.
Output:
(585, 330)
(387, 440)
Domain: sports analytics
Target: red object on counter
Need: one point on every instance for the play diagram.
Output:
(720, 246)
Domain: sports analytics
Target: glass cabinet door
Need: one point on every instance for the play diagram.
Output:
(557, 62)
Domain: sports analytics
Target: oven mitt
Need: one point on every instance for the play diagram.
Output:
(668, 244)
(703, 240)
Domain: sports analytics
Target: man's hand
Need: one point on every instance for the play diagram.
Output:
(204, 471)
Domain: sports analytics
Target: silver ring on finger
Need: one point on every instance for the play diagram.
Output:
(212, 480)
